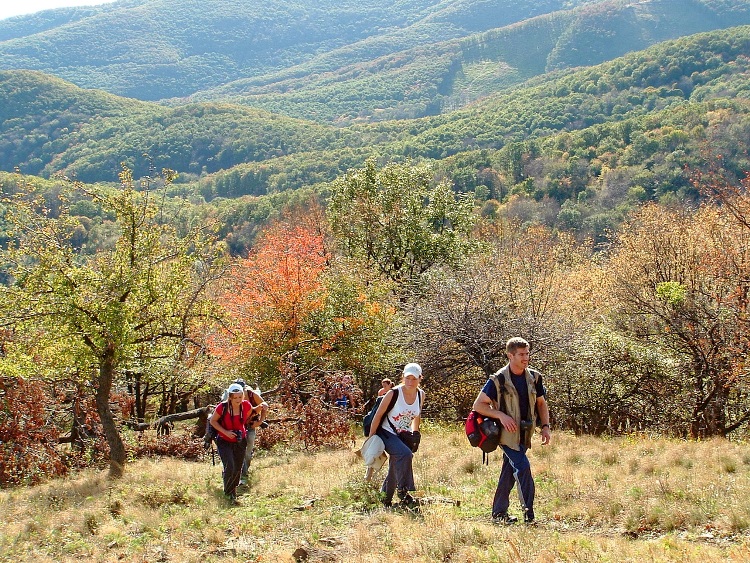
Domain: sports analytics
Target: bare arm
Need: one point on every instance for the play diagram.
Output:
(483, 405)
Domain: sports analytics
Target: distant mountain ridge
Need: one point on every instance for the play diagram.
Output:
(341, 62)
(48, 125)
(446, 75)
(154, 49)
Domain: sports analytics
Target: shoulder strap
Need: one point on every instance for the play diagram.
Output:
(394, 398)
(500, 389)
(224, 409)
(390, 406)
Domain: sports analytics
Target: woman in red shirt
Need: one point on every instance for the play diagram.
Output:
(230, 419)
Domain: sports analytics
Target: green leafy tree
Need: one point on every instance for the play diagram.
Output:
(131, 306)
(397, 222)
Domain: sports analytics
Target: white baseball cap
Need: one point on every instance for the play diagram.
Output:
(235, 388)
(413, 369)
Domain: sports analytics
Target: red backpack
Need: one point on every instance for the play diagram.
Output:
(483, 432)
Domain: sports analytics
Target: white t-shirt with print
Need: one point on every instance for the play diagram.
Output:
(402, 412)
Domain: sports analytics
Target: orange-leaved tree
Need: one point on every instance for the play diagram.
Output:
(270, 295)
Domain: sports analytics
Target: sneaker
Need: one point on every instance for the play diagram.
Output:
(504, 518)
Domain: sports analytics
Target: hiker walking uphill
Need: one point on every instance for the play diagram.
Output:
(515, 396)
(396, 422)
(230, 421)
(256, 419)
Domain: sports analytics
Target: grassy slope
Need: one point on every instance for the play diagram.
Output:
(625, 499)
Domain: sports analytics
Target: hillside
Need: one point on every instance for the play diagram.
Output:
(337, 62)
(50, 126)
(447, 75)
(618, 500)
(153, 49)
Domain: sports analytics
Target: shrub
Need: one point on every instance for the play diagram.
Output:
(28, 443)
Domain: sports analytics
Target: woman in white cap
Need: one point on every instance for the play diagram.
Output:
(230, 420)
(396, 425)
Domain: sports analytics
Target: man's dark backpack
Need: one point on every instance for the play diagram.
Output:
(482, 431)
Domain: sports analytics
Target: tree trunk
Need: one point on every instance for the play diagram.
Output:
(117, 455)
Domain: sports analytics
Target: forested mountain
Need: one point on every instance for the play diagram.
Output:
(152, 49)
(49, 125)
(341, 62)
(446, 75)
(574, 147)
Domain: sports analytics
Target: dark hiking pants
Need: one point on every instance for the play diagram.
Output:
(516, 471)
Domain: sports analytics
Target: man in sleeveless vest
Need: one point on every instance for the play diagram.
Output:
(516, 397)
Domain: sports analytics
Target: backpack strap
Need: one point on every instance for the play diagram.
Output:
(500, 389)
(390, 406)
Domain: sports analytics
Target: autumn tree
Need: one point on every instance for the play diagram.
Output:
(397, 222)
(269, 296)
(292, 296)
(459, 329)
(130, 306)
(679, 282)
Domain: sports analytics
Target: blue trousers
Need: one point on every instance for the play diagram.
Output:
(232, 456)
(516, 471)
(400, 473)
(249, 450)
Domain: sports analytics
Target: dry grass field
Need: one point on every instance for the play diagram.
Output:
(635, 499)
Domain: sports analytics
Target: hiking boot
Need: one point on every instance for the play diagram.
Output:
(409, 502)
(504, 519)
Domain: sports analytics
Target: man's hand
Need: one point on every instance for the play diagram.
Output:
(507, 421)
(546, 435)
